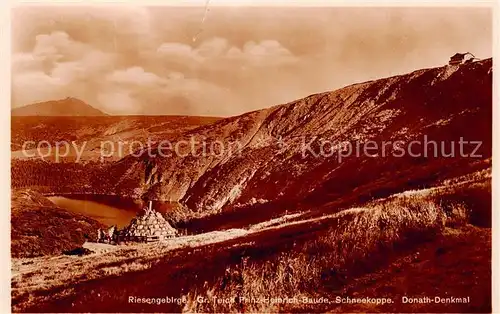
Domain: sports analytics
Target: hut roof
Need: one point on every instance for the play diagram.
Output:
(150, 223)
(458, 55)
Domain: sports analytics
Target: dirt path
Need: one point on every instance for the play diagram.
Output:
(33, 276)
(46, 273)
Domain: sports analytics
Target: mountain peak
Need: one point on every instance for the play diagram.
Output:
(69, 106)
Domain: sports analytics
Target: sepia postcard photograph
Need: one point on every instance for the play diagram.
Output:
(215, 157)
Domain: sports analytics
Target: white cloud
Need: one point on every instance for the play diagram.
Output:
(213, 47)
(176, 95)
(67, 72)
(97, 61)
(57, 65)
(135, 76)
(266, 48)
(58, 45)
(25, 62)
(264, 53)
(119, 102)
(175, 75)
(176, 50)
(60, 66)
(30, 87)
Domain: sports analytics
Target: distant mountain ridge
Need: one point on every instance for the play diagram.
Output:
(63, 107)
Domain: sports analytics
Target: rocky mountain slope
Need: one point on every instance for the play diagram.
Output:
(271, 159)
(63, 107)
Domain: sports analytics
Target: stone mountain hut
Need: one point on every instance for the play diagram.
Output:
(148, 227)
(460, 58)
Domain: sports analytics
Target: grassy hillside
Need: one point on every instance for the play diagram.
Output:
(40, 228)
(362, 240)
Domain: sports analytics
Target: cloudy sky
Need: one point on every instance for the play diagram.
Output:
(226, 60)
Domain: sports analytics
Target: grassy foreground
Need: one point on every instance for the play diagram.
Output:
(437, 237)
(359, 241)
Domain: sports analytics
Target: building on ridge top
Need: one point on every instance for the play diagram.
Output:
(461, 58)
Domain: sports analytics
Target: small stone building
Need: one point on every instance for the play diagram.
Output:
(460, 58)
(147, 227)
